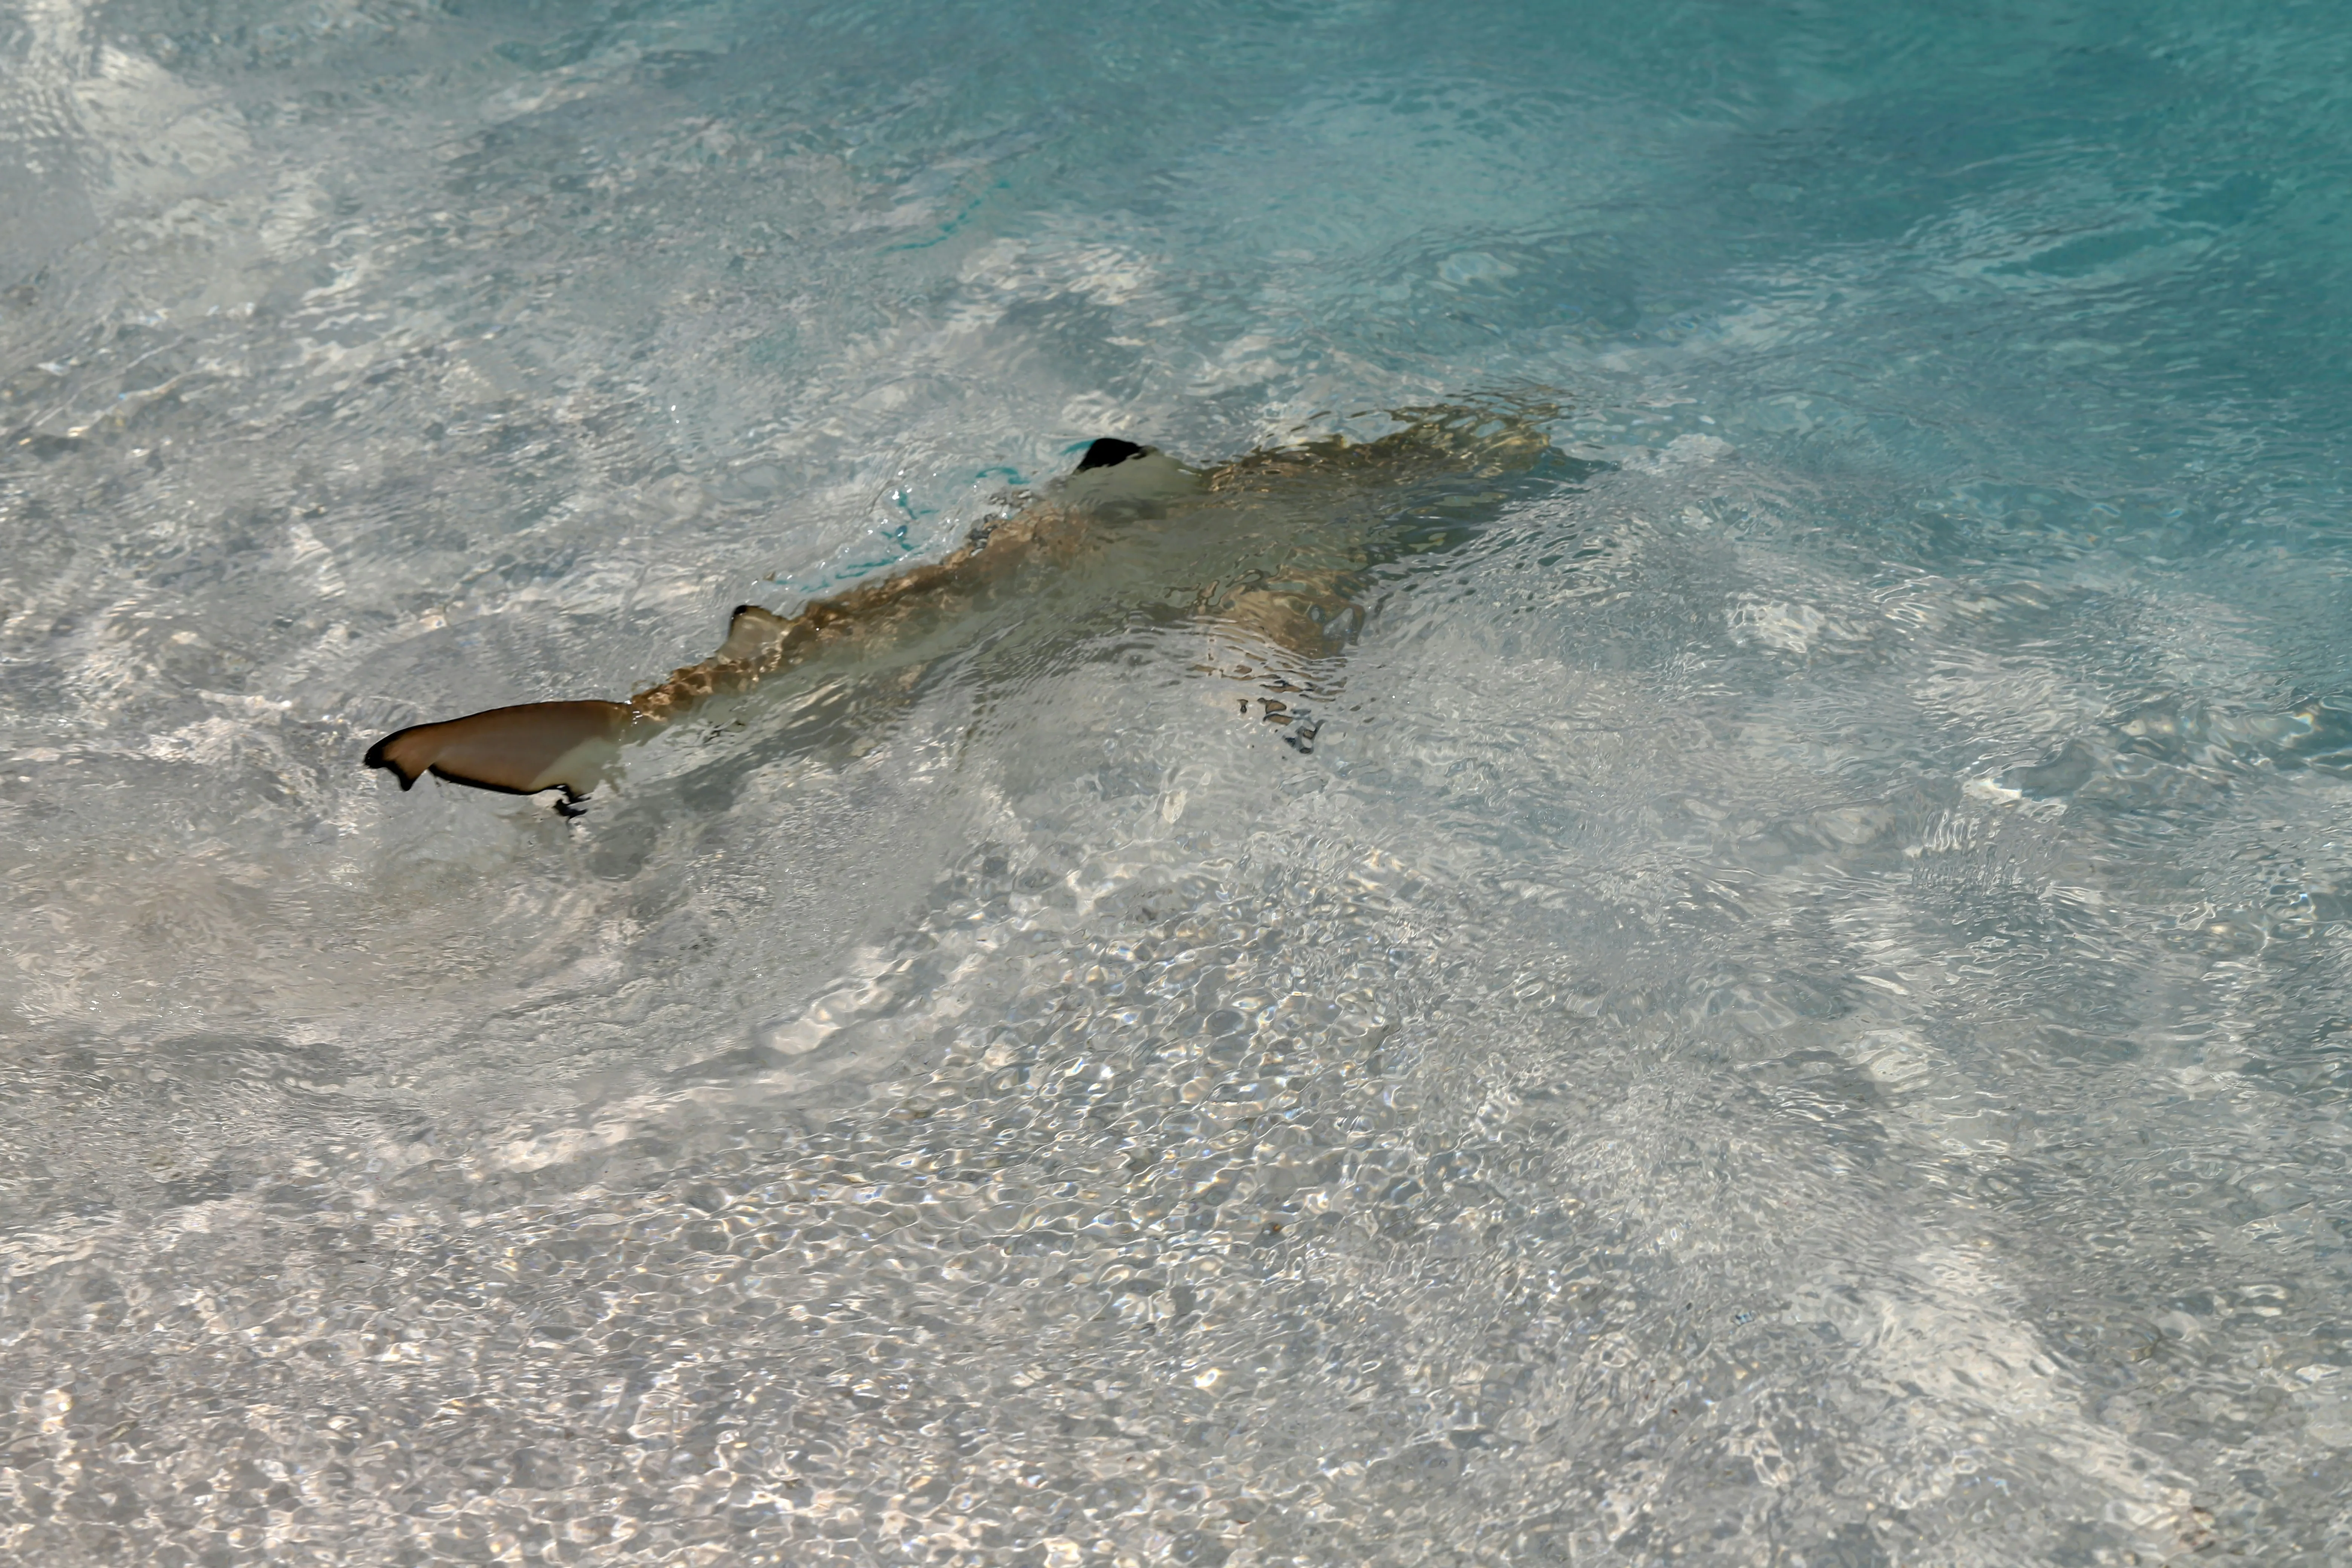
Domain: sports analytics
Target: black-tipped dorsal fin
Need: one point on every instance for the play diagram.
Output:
(1117, 476)
(1108, 451)
(750, 633)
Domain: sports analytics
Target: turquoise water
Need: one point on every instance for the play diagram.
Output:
(1797, 1011)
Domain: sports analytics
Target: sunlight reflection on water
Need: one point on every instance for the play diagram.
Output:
(1795, 1009)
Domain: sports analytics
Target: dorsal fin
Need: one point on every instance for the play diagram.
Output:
(1107, 452)
(750, 633)
(1121, 476)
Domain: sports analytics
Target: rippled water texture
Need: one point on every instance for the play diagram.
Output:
(1795, 1011)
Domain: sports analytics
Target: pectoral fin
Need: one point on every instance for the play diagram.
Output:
(538, 746)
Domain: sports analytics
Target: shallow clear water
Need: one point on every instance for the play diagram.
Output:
(1799, 1011)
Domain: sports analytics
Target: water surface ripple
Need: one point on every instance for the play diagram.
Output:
(1798, 1010)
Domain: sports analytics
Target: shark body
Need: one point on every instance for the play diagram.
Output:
(1278, 546)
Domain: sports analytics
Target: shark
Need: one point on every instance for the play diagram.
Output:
(1278, 547)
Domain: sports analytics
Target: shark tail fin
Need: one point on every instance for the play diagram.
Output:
(570, 746)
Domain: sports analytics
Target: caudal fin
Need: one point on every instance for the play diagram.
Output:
(569, 746)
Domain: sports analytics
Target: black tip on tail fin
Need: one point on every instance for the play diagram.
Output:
(521, 750)
(1108, 451)
(376, 758)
